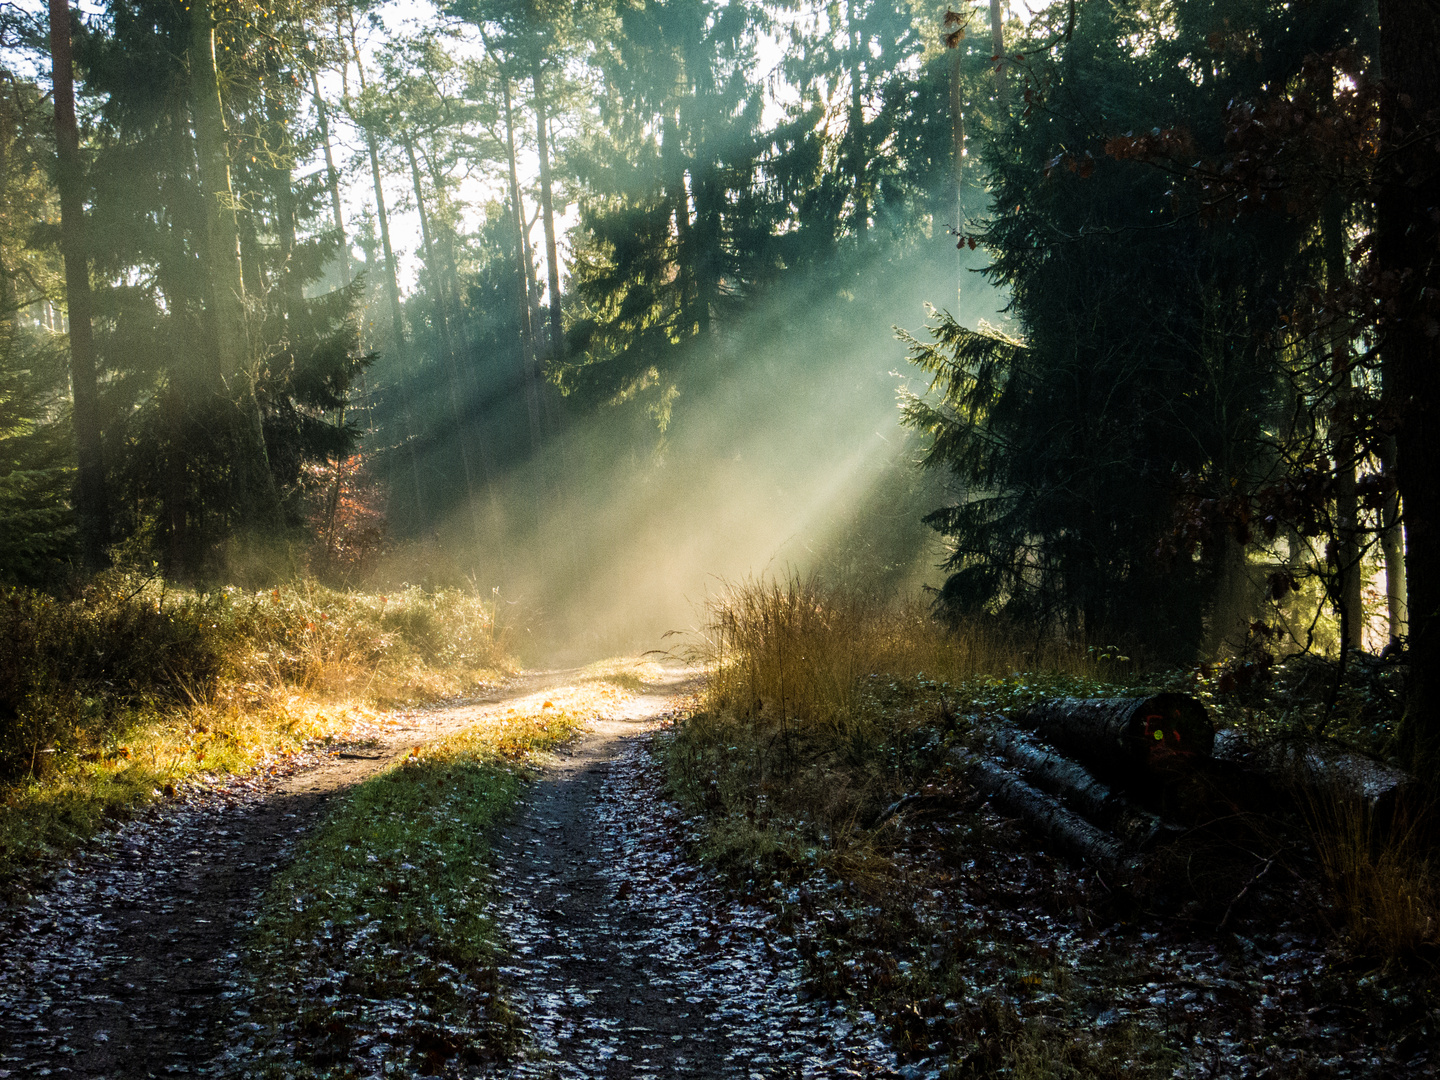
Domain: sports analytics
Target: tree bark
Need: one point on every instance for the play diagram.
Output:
(672, 162)
(447, 343)
(997, 47)
(1408, 254)
(91, 502)
(332, 179)
(528, 358)
(291, 288)
(547, 209)
(392, 290)
(259, 499)
(1392, 545)
(1346, 568)
(856, 125)
(957, 129)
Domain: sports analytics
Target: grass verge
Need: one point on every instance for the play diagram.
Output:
(986, 956)
(374, 944)
(128, 690)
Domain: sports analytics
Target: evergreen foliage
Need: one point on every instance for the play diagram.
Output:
(1150, 374)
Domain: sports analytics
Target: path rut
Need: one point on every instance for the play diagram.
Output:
(629, 960)
(123, 964)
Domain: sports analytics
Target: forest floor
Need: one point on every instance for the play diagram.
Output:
(620, 954)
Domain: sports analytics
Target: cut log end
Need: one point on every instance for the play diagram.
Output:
(1156, 733)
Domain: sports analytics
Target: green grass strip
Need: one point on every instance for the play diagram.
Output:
(373, 946)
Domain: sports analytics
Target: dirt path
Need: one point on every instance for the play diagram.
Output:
(124, 967)
(629, 960)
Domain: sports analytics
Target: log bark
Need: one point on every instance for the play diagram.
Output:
(1043, 814)
(1125, 736)
(1082, 791)
(1317, 772)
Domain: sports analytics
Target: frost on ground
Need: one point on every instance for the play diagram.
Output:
(127, 964)
(630, 961)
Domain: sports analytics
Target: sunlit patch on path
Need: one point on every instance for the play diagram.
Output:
(630, 961)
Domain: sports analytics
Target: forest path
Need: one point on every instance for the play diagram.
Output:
(628, 959)
(127, 964)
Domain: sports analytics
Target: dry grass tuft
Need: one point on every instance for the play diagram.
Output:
(799, 650)
(1381, 874)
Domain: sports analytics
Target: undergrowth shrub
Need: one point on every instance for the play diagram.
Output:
(125, 688)
(74, 671)
(821, 703)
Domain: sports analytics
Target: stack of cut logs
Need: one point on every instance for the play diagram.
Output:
(1089, 775)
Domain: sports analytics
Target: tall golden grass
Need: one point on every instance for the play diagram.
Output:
(1381, 875)
(800, 649)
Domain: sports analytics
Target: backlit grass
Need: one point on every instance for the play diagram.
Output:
(129, 690)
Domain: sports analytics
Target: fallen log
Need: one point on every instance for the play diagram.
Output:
(1317, 772)
(1081, 790)
(1125, 736)
(1044, 815)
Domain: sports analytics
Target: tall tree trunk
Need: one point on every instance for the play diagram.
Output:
(291, 287)
(397, 320)
(447, 344)
(997, 47)
(672, 162)
(528, 359)
(392, 292)
(465, 356)
(258, 495)
(451, 269)
(332, 178)
(392, 287)
(1392, 545)
(547, 209)
(957, 123)
(1348, 591)
(91, 504)
(708, 245)
(957, 133)
(1408, 247)
(427, 248)
(856, 125)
